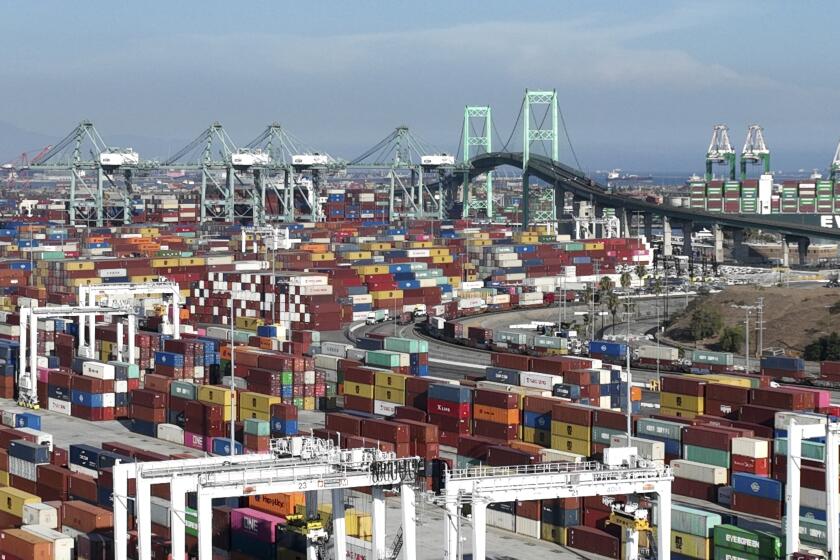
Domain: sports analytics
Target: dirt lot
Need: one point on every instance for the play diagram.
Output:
(793, 316)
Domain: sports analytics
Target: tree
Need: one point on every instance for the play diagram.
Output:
(824, 348)
(732, 339)
(626, 280)
(612, 305)
(706, 322)
(641, 271)
(606, 284)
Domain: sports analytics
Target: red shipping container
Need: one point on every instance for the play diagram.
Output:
(572, 414)
(447, 408)
(495, 430)
(694, 489)
(682, 385)
(593, 540)
(782, 399)
(754, 505)
(750, 465)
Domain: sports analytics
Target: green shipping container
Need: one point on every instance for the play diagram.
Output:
(51, 255)
(813, 531)
(706, 455)
(659, 428)
(754, 543)
(603, 435)
(810, 449)
(383, 358)
(257, 427)
(405, 345)
(716, 358)
(692, 521)
(191, 521)
(722, 553)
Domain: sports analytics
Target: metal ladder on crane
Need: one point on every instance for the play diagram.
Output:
(396, 546)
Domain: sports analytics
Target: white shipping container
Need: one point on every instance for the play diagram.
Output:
(23, 469)
(309, 377)
(160, 511)
(40, 514)
(700, 472)
(541, 381)
(751, 447)
(314, 290)
(41, 438)
(327, 362)
(10, 330)
(501, 520)
(356, 354)
(308, 280)
(812, 498)
(62, 545)
(384, 408)
(83, 470)
(8, 418)
(170, 433)
(647, 448)
(98, 370)
(661, 352)
(556, 456)
(58, 406)
(527, 527)
(111, 272)
(71, 532)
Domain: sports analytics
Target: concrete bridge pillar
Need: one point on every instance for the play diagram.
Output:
(526, 199)
(688, 229)
(648, 220)
(559, 201)
(717, 232)
(667, 245)
(739, 250)
(802, 243)
(624, 221)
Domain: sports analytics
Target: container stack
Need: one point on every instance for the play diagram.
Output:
(571, 429)
(450, 409)
(681, 397)
(691, 531)
(496, 415)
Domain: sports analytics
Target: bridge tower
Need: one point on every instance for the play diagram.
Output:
(720, 152)
(476, 142)
(534, 132)
(755, 151)
(835, 165)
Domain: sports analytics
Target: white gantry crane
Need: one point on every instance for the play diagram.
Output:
(123, 295)
(622, 472)
(296, 464)
(804, 426)
(29, 316)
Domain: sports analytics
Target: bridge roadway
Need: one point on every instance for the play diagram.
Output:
(574, 181)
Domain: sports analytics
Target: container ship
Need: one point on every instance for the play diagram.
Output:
(812, 201)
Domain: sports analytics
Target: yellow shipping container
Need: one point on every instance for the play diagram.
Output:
(374, 246)
(388, 294)
(12, 500)
(539, 437)
(357, 255)
(372, 269)
(258, 401)
(576, 446)
(690, 545)
(681, 402)
(4, 478)
(390, 380)
(214, 395)
(594, 246)
(570, 430)
(358, 389)
(247, 413)
(323, 257)
(163, 263)
(249, 323)
(365, 527)
(420, 244)
(552, 533)
(351, 522)
(76, 266)
(142, 279)
(76, 282)
(389, 395)
(439, 252)
(191, 261)
(308, 403)
(443, 259)
(677, 413)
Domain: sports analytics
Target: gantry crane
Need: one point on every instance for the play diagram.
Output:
(123, 295)
(720, 152)
(103, 161)
(755, 151)
(29, 316)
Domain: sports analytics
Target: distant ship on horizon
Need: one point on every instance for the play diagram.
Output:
(617, 175)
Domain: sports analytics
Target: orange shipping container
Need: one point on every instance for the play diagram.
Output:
(494, 414)
(277, 504)
(21, 544)
(85, 517)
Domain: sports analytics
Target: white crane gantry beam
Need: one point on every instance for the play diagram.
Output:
(28, 379)
(116, 293)
(546, 481)
(296, 464)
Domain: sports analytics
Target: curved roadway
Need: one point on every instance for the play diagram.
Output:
(555, 173)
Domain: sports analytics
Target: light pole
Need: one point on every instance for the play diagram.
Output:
(759, 305)
(232, 381)
(629, 400)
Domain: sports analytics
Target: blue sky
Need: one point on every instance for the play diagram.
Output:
(640, 83)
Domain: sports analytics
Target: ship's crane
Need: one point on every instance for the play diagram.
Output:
(835, 164)
(720, 152)
(755, 151)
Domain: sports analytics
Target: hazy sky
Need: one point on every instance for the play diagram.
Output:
(640, 83)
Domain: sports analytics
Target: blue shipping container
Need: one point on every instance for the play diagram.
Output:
(605, 347)
(502, 375)
(451, 393)
(759, 486)
(84, 455)
(29, 451)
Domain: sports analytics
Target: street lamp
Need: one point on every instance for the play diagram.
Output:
(232, 379)
(759, 305)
